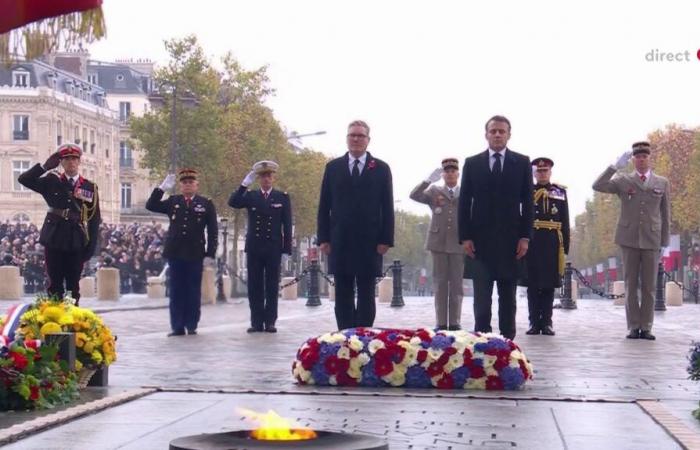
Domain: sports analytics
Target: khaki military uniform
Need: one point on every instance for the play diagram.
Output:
(448, 255)
(642, 229)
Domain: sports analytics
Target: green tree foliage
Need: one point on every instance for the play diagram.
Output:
(409, 240)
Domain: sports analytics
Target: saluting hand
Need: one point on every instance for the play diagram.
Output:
(52, 162)
(434, 175)
(248, 180)
(168, 183)
(623, 160)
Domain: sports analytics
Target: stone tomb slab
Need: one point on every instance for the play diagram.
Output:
(406, 423)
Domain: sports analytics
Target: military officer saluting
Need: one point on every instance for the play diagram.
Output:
(550, 243)
(269, 235)
(190, 215)
(71, 226)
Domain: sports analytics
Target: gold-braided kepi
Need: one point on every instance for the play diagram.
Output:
(67, 150)
(262, 167)
(187, 174)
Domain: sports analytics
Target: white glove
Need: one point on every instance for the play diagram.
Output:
(208, 261)
(168, 183)
(623, 160)
(248, 180)
(434, 176)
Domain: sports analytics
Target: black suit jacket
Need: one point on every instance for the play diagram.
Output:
(66, 233)
(495, 212)
(269, 220)
(356, 216)
(185, 238)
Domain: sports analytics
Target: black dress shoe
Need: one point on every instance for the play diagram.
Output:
(633, 334)
(454, 327)
(191, 331)
(270, 329)
(176, 333)
(441, 327)
(254, 330)
(548, 330)
(646, 334)
(533, 330)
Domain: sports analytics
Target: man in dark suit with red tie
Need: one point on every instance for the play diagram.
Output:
(269, 235)
(356, 226)
(495, 224)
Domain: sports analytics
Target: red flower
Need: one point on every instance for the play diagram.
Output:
(344, 379)
(435, 369)
(20, 361)
(424, 335)
(523, 368)
(308, 357)
(422, 355)
(33, 392)
(32, 343)
(446, 382)
(501, 362)
(494, 384)
(476, 371)
(371, 164)
(335, 365)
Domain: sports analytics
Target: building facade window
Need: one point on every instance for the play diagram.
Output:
(108, 144)
(126, 195)
(125, 159)
(92, 142)
(20, 127)
(76, 135)
(84, 141)
(92, 78)
(20, 78)
(17, 168)
(124, 111)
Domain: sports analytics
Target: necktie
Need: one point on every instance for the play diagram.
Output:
(71, 181)
(643, 178)
(265, 194)
(497, 168)
(356, 169)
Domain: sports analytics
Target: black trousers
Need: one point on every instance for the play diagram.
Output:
(63, 269)
(263, 287)
(539, 303)
(483, 288)
(185, 293)
(347, 314)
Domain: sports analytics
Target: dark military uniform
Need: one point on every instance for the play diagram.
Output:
(71, 227)
(546, 254)
(185, 252)
(269, 235)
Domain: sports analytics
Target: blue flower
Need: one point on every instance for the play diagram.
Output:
(319, 374)
(441, 341)
(369, 378)
(327, 350)
(417, 377)
(497, 344)
(460, 376)
(512, 377)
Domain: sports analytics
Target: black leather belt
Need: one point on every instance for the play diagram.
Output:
(65, 214)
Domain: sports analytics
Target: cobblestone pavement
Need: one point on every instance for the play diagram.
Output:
(588, 360)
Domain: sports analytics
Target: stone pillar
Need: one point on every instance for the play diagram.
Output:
(107, 283)
(155, 287)
(331, 293)
(290, 292)
(209, 285)
(11, 287)
(227, 286)
(618, 288)
(386, 290)
(87, 287)
(574, 291)
(674, 294)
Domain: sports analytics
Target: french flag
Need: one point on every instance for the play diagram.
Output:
(7, 332)
(672, 254)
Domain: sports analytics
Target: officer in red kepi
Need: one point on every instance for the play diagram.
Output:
(190, 215)
(70, 230)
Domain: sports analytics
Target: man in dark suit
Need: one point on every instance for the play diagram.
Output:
(495, 224)
(269, 235)
(70, 231)
(356, 226)
(190, 214)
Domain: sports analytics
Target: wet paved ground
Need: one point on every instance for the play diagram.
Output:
(589, 360)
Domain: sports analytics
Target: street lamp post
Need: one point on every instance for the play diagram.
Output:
(294, 138)
(222, 265)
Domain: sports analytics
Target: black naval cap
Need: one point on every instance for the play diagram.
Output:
(542, 162)
(641, 147)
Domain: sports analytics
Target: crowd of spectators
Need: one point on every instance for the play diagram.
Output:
(135, 249)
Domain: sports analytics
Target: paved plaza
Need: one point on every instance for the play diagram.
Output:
(592, 389)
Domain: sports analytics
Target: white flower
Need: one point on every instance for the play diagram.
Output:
(489, 361)
(434, 354)
(332, 338)
(374, 345)
(454, 362)
(332, 381)
(355, 343)
(344, 353)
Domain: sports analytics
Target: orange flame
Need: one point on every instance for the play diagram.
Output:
(273, 427)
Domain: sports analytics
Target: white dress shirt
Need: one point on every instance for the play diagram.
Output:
(647, 174)
(361, 165)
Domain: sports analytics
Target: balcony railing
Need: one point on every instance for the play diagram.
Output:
(20, 135)
(126, 162)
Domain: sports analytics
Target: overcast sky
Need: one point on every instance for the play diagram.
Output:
(572, 77)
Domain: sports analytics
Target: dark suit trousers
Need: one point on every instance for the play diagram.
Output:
(185, 293)
(63, 267)
(540, 302)
(483, 288)
(347, 315)
(263, 287)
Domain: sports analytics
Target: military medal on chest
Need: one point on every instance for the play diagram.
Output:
(554, 209)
